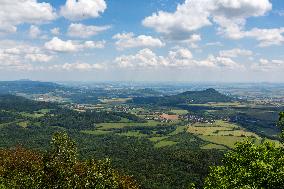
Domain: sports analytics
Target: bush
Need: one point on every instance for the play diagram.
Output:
(250, 166)
(59, 168)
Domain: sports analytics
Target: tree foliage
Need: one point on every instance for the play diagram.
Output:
(208, 95)
(281, 124)
(59, 168)
(250, 166)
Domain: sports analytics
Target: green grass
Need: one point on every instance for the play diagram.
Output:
(164, 143)
(124, 120)
(238, 133)
(222, 104)
(115, 100)
(32, 115)
(178, 130)
(220, 128)
(179, 111)
(213, 146)
(157, 139)
(133, 134)
(119, 125)
(95, 132)
(207, 130)
(219, 142)
(217, 123)
(222, 123)
(44, 111)
(221, 133)
(228, 141)
(23, 124)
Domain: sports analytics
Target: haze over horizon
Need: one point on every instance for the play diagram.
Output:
(149, 40)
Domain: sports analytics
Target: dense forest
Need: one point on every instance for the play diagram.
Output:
(152, 167)
(27, 86)
(192, 97)
(26, 128)
(19, 104)
(250, 166)
(58, 168)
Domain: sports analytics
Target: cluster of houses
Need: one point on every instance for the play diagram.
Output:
(122, 108)
(148, 115)
(197, 119)
(85, 107)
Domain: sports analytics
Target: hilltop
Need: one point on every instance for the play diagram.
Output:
(193, 97)
(28, 86)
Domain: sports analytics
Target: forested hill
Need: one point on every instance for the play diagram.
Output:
(10, 102)
(194, 97)
(27, 86)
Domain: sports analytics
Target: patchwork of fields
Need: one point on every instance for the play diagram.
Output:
(222, 134)
(219, 135)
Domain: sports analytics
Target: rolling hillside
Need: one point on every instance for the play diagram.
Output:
(192, 97)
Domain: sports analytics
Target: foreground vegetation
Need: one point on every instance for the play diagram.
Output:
(247, 166)
(58, 168)
(250, 166)
(163, 146)
(158, 155)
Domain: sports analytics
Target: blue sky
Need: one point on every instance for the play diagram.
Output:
(149, 40)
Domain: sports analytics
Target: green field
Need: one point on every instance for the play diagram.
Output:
(44, 111)
(157, 139)
(222, 104)
(133, 134)
(219, 128)
(179, 111)
(95, 132)
(120, 125)
(213, 146)
(164, 143)
(23, 124)
(32, 115)
(179, 129)
(228, 141)
(221, 133)
(115, 100)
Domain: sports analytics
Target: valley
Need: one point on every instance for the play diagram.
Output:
(164, 140)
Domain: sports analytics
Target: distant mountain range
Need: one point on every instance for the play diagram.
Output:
(192, 97)
(28, 86)
(147, 95)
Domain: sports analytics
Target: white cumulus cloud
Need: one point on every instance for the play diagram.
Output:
(229, 15)
(235, 53)
(192, 40)
(266, 65)
(58, 45)
(83, 31)
(266, 37)
(34, 31)
(179, 58)
(15, 12)
(39, 57)
(18, 56)
(82, 9)
(55, 31)
(78, 66)
(129, 40)
(188, 17)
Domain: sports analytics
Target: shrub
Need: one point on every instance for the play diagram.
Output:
(59, 168)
